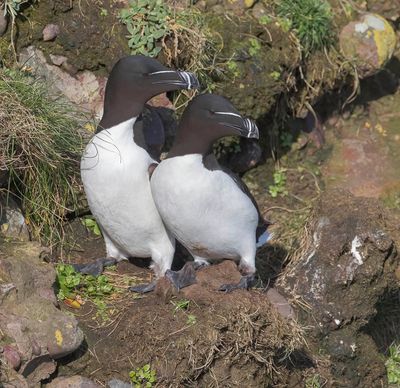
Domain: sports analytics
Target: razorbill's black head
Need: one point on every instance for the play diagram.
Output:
(207, 118)
(133, 81)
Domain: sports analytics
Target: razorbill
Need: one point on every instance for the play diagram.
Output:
(115, 167)
(205, 206)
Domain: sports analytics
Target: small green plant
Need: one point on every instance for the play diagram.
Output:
(143, 377)
(92, 225)
(393, 365)
(255, 46)
(233, 68)
(181, 305)
(275, 75)
(67, 280)
(264, 20)
(279, 186)
(70, 283)
(311, 21)
(191, 319)
(103, 12)
(146, 22)
(313, 382)
(286, 139)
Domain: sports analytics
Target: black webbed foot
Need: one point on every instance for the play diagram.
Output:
(182, 278)
(96, 267)
(245, 283)
(143, 288)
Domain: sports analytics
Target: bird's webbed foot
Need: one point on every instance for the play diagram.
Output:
(96, 267)
(143, 288)
(182, 278)
(246, 282)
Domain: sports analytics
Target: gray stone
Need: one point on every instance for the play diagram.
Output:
(12, 222)
(73, 382)
(115, 383)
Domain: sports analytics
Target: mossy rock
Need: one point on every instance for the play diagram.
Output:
(256, 60)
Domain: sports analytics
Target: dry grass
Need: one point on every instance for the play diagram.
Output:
(40, 148)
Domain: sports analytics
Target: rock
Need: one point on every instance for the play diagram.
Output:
(84, 89)
(12, 222)
(72, 382)
(115, 383)
(50, 32)
(12, 357)
(3, 22)
(259, 11)
(369, 42)
(347, 269)
(58, 60)
(39, 332)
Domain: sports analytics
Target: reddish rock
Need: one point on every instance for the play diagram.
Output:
(50, 32)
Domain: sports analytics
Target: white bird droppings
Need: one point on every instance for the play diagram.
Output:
(356, 243)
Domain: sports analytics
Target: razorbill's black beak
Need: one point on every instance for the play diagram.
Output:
(243, 126)
(180, 79)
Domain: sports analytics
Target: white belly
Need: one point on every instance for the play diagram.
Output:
(115, 177)
(204, 209)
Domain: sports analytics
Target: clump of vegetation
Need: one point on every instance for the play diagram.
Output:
(311, 20)
(181, 35)
(226, 145)
(393, 365)
(40, 148)
(143, 377)
(92, 225)
(279, 186)
(74, 288)
(70, 282)
(147, 22)
(313, 381)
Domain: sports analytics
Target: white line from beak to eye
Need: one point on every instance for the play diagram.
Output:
(228, 114)
(162, 72)
(186, 77)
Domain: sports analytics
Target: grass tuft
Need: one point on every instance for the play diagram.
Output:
(311, 20)
(40, 148)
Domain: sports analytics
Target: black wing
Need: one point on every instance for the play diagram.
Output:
(149, 132)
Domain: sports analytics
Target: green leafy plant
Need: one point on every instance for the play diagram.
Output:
(275, 75)
(92, 225)
(191, 319)
(255, 46)
(146, 22)
(265, 19)
(311, 21)
(181, 305)
(233, 68)
(286, 139)
(70, 283)
(393, 365)
(313, 382)
(67, 280)
(103, 12)
(279, 186)
(143, 377)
